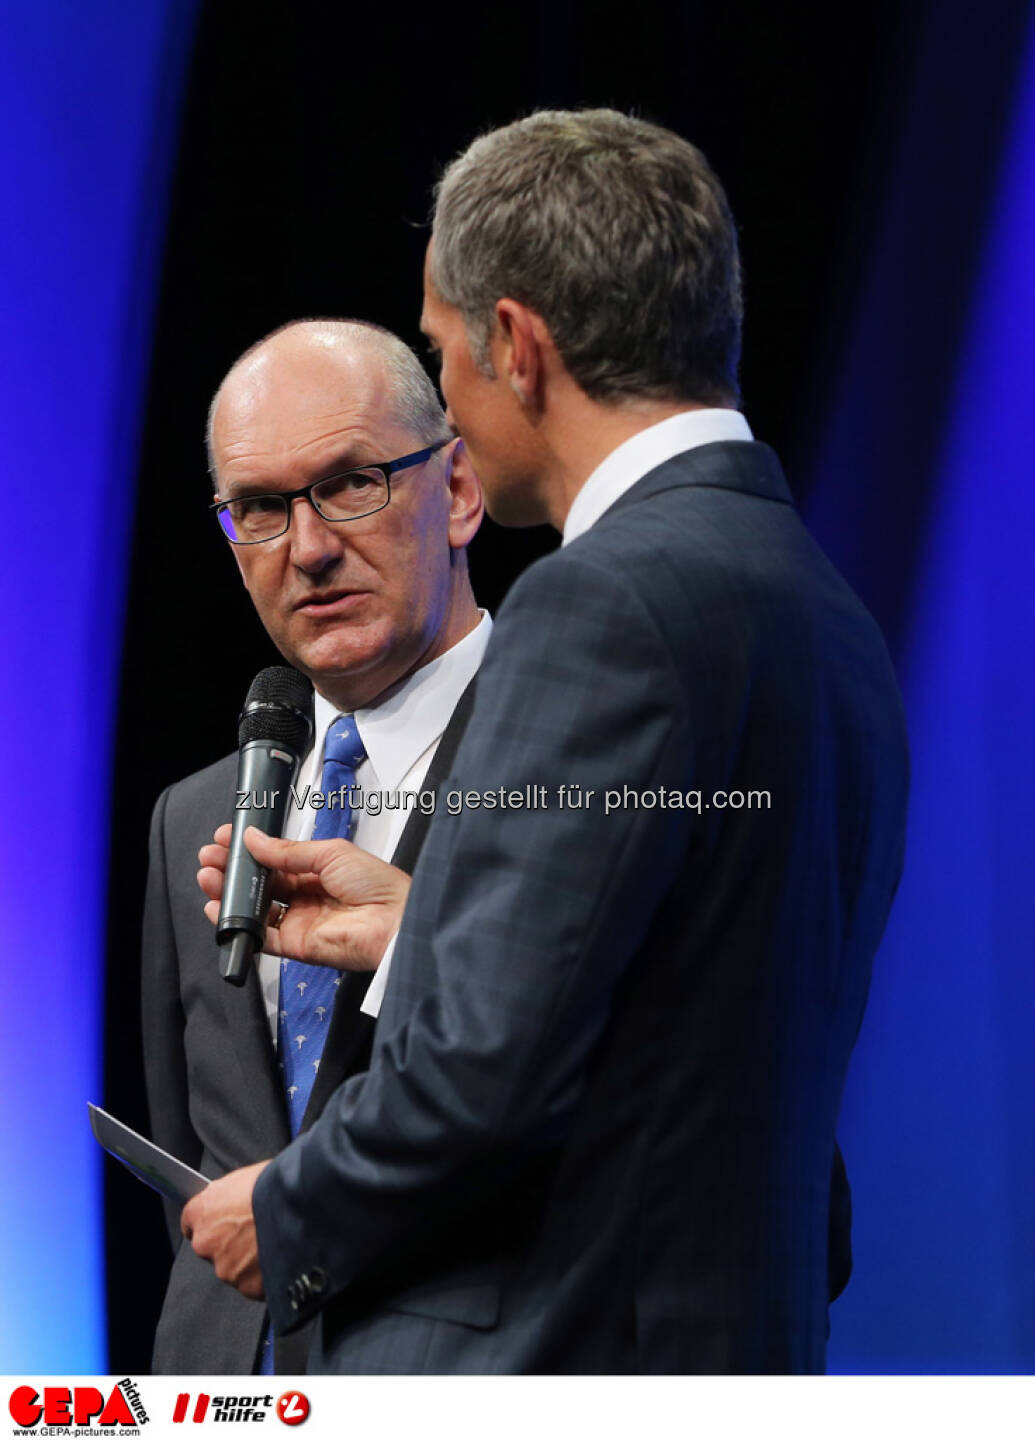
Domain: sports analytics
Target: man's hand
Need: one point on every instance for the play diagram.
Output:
(220, 1225)
(343, 904)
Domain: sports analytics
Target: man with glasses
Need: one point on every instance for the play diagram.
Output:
(348, 505)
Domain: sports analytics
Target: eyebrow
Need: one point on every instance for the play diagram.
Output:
(348, 460)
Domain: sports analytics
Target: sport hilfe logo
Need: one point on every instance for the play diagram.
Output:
(81, 1405)
(292, 1407)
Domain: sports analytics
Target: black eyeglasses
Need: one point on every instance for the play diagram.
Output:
(250, 519)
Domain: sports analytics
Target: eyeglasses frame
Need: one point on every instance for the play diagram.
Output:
(387, 468)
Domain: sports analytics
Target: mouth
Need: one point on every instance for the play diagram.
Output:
(332, 602)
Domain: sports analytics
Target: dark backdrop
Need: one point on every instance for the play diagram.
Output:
(311, 136)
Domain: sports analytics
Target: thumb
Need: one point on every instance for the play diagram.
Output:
(294, 857)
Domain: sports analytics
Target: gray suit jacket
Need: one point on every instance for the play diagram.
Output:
(214, 1091)
(597, 1128)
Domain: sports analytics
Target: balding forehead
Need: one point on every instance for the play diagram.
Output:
(302, 366)
(299, 366)
(352, 348)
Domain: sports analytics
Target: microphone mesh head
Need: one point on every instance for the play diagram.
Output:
(279, 707)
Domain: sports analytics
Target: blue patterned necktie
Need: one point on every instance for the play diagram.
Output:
(307, 992)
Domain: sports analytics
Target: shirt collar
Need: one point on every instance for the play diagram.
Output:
(643, 452)
(410, 716)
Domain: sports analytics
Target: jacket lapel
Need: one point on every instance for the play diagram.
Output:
(260, 1078)
(244, 1011)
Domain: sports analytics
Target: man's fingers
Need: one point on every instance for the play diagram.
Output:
(222, 836)
(342, 904)
(272, 944)
(293, 857)
(210, 882)
(214, 855)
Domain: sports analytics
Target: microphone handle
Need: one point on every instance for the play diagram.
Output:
(235, 958)
(265, 773)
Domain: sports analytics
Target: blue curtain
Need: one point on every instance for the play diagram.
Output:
(924, 493)
(88, 103)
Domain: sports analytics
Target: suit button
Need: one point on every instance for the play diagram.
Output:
(317, 1280)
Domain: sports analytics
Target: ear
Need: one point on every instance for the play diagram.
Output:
(520, 345)
(467, 504)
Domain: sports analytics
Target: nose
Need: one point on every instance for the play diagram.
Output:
(316, 545)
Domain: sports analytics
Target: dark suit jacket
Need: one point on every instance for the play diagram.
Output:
(597, 1127)
(215, 1094)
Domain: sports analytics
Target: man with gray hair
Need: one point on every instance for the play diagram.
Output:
(598, 1126)
(348, 505)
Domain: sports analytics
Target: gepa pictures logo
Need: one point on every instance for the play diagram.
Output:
(82, 1406)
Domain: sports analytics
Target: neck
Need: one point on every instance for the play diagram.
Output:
(583, 432)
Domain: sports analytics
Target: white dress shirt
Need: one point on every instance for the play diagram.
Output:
(400, 735)
(644, 452)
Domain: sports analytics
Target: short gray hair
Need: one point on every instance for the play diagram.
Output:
(616, 232)
(415, 400)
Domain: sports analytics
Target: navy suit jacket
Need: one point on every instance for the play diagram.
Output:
(597, 1129)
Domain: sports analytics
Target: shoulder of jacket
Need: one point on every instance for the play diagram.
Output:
(212, 786)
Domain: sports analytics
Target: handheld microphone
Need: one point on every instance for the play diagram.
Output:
(275, 731)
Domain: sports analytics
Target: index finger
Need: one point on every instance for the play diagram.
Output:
(294, 857)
